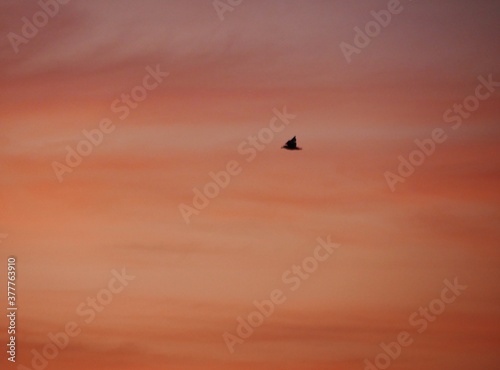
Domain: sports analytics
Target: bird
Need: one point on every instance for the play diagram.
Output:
(291, 144)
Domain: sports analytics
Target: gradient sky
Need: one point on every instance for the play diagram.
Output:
(120, 207)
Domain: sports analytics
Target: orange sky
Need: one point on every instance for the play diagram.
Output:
(120, 207)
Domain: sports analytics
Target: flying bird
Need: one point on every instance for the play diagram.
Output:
(291, 144)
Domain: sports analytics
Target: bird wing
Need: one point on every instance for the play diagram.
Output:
(292, 143)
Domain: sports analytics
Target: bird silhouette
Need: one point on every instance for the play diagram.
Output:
(291, 144)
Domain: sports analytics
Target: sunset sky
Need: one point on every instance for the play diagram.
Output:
(228, 75)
